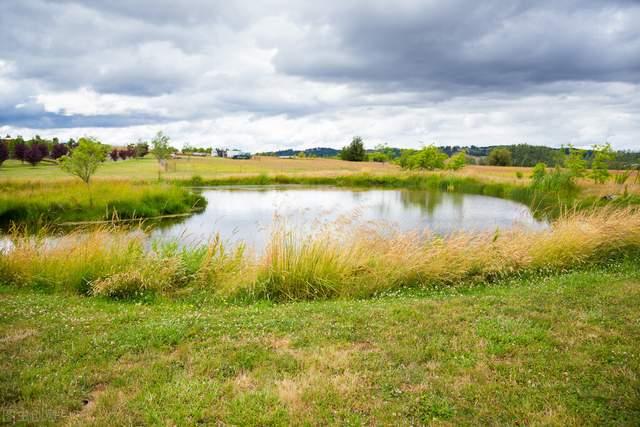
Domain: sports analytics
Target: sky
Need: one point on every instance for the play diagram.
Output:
(265, 75)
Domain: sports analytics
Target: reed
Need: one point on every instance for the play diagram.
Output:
(338, 261)
(40, 203)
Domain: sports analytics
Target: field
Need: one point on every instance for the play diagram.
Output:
(212, 168)
(553, 350)
(347, 326)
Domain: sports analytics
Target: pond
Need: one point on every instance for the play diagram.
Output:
(248, 213)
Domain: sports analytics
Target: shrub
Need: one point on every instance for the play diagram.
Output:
(499, 157)
(519, 175)
(429, 157)
(457, 161)
(603, 154)
(378, 157)
(354, 152)
(575, 162)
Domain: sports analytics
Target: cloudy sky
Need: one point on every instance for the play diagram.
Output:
(261, 75)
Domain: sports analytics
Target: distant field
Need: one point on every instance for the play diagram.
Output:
(212, 167)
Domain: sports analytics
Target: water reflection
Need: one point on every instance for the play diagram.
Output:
(247, 213)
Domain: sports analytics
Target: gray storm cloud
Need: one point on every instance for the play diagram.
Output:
(458, 72)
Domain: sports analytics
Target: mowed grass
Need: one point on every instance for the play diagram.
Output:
(553, 350)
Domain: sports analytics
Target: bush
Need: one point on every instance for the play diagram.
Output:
(430, 158)
(603, 154)
(499, 157)
(354, 152)
(457, 161)
(378, 157)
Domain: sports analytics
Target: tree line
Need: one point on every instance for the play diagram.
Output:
(432, 157)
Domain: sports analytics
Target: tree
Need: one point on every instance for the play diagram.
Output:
(575, 162)
(84, 160)
(141, 149)
(354, 152)
(33, 155)
(4, 151)
(20, 150)
(114, 155)
(430, 157)
(457, 161)
(161, 150)
(602, 155)
(499, 157)
(59, 150)
(44, 149)
(123, 154)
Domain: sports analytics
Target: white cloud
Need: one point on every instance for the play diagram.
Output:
(275, 74)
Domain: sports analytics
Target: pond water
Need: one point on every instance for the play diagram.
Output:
(248, 213)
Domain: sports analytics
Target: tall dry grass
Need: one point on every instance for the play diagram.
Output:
(337, 261)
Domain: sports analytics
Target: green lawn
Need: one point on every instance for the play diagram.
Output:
(561, 350)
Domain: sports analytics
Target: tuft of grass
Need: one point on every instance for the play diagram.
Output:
(339, 261)
(41, 203)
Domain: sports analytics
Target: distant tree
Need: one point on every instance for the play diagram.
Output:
(72, 143)
(43, 148)
(405, 157)
(84, 160)
(430, 158)
(114, 154)
(575, 162)
(499, 157)
(161, 149)
(457, 161)
(58, 150)
(20, 150)
(378, 157)
(4, 151)
(602, 155)
(354, 152)
(142, 149)
(33, 155)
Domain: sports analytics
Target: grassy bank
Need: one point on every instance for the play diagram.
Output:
(38, 203)
(542, 350)
(340, 261)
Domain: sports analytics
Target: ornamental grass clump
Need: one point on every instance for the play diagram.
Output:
(345, 259)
